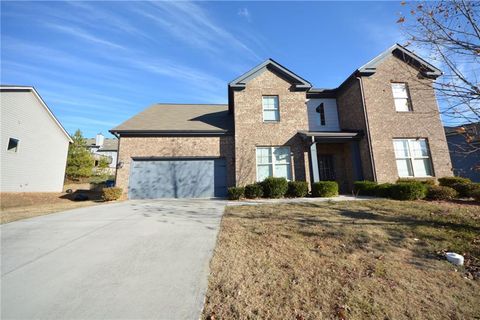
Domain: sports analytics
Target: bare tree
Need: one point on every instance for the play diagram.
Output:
(449, 33)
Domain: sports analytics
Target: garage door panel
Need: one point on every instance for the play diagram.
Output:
(182, 178)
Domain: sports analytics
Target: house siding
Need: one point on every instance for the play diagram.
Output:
(252, 132)
(385, 123)
(174, 147)
(331, 115)
(39, 164)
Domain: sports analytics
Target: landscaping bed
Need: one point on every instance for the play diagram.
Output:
(380, 259)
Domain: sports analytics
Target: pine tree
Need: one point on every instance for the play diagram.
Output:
(79, 160)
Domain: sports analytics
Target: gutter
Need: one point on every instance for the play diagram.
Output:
(369, 140)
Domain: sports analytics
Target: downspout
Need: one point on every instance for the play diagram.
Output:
(369, 140)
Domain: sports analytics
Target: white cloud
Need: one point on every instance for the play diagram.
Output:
(83, 34)
(190, 23)
(243, 12)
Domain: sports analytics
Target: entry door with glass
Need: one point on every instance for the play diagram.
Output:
(326, 168)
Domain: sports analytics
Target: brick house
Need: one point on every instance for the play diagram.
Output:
(382, 123)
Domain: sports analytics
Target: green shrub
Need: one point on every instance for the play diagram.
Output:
(465, 190)
(325, 189)
(110, 194)
(441, 193)
(235, 193)
(476, 195)
(450, 181)
(383, 190)
(409, 191)
(297, 189)
(425, 181)
(274, 187)
(364, 188)
(253, 190)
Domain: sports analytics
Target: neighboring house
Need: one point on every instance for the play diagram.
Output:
(464, 145)
(34, 145)
(380, 124)
(102, 147)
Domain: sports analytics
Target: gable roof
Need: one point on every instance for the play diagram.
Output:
(179, 119)
(299, 82)
(426, 68)
(13, 88)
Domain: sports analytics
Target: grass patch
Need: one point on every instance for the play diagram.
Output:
(356, 260)
(18, 205)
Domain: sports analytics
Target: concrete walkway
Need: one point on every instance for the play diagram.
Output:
(128, 260)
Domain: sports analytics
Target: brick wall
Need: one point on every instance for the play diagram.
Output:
(173, 147)
(385, 123)
(351, 117)
(251, 131)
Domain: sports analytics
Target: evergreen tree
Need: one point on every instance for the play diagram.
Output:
(79, 160)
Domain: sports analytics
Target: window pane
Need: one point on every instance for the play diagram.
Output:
(422, 167)
(399, 90)
(282, 171)
(404, 168)
(419, 148)
(270, 115)
(264, 155)
(264, 171)
(401, 104)
(270, 102)
(401, 148)
(282, 155)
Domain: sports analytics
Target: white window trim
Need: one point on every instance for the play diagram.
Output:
(409, 100)
(277, 109)
(273, 160)
(410, 157)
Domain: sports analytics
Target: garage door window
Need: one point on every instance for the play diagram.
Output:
(273, 162)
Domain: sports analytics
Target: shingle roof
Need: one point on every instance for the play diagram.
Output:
(185, 118)
(109, 144)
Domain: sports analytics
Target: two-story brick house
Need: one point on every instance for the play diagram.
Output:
(380, 124)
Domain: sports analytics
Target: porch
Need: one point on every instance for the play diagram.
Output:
(334, 156)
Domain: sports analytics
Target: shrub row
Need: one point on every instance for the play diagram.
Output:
(273, 187)
(402, 190)
(409, 189)
(325, 189)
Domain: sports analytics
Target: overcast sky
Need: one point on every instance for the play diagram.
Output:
(98, 63)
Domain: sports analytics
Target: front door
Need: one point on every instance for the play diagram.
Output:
(326, 168)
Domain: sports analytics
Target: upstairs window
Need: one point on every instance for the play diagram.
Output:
(12, 145)
(321, 111)
(401, 97)
(413, 158)
(270, 108)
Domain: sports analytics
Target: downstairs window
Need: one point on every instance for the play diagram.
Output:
(273, 162)
(413, 158)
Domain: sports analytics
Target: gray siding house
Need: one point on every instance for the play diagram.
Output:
(464, 146)
(33, 143)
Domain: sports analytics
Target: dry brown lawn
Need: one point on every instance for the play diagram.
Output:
(346, 260)
(16, 206)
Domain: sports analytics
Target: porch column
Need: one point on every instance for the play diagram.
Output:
(357, 161)
(314, 161)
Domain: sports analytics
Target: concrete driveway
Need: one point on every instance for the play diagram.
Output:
(128, 260)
